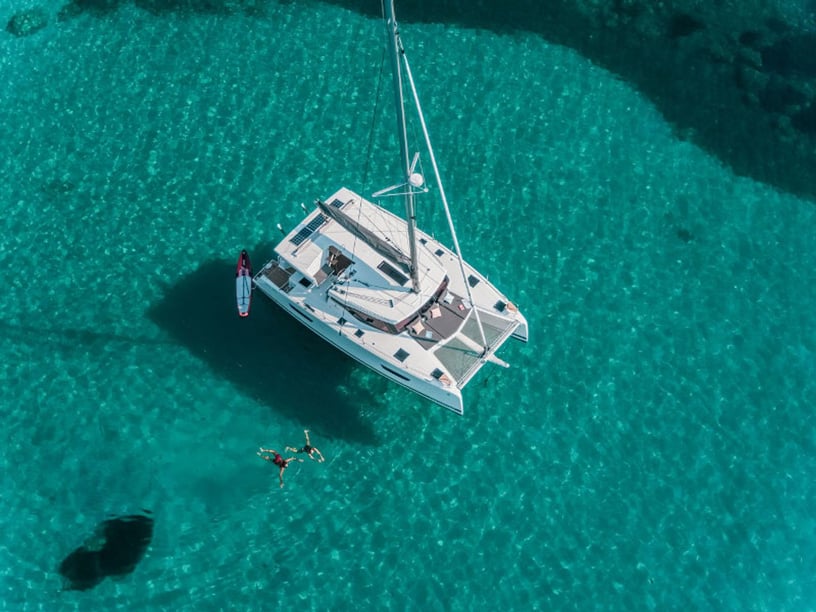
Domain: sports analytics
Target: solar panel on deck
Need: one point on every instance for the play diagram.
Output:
(302, 235)
(316, 222)
(308, 230)
(337, 203)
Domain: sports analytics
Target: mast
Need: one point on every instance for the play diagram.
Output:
(444, 199)
(396, 50)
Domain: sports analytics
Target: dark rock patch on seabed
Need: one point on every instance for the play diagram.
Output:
(705, 65)
(738, 78)
(115, 549)
(778, 95)
(683, 24)
(684, 234)
(791, 55)
(100, 8)
(27, 22)
(805, 121)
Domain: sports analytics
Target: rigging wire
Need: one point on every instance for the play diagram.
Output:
(374, 119)
(444, 199)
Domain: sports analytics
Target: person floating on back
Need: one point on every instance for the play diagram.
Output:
(277, 460)
(308, 449)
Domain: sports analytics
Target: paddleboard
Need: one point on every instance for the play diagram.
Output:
(243, 284)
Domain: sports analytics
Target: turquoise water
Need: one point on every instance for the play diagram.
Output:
(651, 448)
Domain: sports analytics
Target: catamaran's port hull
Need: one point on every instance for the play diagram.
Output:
(449, 397)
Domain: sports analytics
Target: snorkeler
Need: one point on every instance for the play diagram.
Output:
(308, 449)
(277, 460)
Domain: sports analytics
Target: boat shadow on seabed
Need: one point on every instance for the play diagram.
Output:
(269, 355)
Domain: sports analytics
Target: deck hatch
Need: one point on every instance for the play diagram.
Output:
(401, 354)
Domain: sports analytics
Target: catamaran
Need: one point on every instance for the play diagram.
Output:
(384, 292)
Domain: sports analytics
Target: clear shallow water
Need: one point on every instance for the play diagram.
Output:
(651, 448)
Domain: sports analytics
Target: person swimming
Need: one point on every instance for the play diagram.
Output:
(308, 449)
(277, 459)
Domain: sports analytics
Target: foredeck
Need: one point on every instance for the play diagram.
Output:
(440, 321)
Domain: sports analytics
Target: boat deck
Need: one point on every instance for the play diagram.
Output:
(440, 321)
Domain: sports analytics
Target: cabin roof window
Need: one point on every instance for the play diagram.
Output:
(394, 274)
